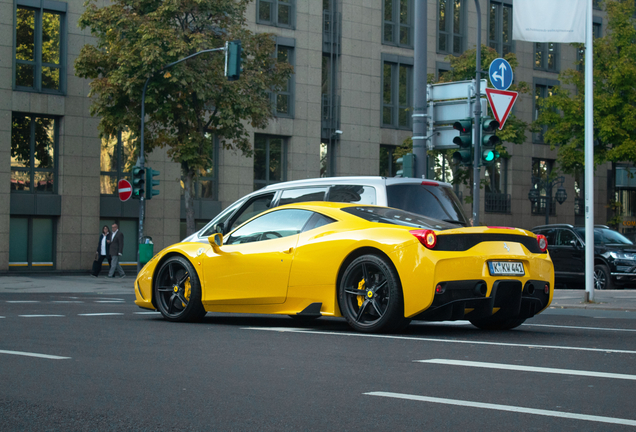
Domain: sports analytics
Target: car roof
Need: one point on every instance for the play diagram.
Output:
(566, 226)
(364, 180)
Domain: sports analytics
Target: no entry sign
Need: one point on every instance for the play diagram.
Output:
(125, 189)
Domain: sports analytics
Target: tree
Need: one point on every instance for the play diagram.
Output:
(463, 68)
(192, 103)
(562, 114)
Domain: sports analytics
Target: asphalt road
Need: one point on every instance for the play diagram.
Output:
(86, 362)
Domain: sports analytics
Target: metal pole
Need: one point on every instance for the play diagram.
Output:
(477, 127)
(589, 157)
(142, 201)
(419, 90)
(548, 202)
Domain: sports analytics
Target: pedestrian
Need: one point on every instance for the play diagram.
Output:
(115, 250)
(102, 251)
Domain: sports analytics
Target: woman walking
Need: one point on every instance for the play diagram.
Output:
(102, 251)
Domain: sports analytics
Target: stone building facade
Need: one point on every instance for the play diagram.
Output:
(344, 111)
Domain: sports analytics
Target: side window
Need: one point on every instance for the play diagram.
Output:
(302, 195)
(222, 218)
(565, 237)
(253, 207)
(352, 194)
(550, 236)
(277, 224)
(316, 221)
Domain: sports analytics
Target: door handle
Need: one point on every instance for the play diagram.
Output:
(290, 250)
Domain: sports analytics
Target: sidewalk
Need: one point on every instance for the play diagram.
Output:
(618, 300)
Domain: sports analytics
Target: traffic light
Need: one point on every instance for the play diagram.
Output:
(408, 165)
(489, 141)
(150, 183)
(138, 182)
(233, 53)
(464, 155)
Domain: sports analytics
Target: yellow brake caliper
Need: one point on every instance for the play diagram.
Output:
(361, 297)
(187, 291)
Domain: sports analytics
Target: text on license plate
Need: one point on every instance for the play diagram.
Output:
(506, 268)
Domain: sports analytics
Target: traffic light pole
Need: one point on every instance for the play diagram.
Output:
(477, 127)
(142, 200)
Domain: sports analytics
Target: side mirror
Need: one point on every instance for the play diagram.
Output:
(216, 240)
(574, 243)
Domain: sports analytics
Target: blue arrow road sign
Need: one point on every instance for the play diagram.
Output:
(500, 74)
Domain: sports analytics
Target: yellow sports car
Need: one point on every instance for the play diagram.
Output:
(378, 267)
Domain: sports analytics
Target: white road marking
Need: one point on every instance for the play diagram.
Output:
(67, 301)
(589, 374)
(23, 301)
(101, 314)
(459, 341)
(510, 408)
(146, 313)
(30, 354)
(109, 301)
(580, 328)
(40, 316)
(109, 298)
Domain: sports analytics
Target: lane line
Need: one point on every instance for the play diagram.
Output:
(521, 368)
(40, 316)
(459, 341)
(67, 301)
(23, 301)
(101, 314)
(30, 354)
(580, 327)
(109, 301)
(510, 408)
(147, 313)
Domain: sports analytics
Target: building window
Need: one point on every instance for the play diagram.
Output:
(397, 90)
(398, 23)
(541, 169)
(283, 100)
(33, 153)
(40, 46)
(451, 27)
(497, 198)
(580, 55)
(116, 161)
(269, 160)
(388, 166)
(541, 91)
(545, 56)
(31, 243)
(500, 27)
(205, 180)
(279, 13)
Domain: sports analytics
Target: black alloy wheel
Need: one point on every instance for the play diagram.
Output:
(370, 295)
(602, 277)
(178, 291)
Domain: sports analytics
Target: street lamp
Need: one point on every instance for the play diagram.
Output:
(539, 183)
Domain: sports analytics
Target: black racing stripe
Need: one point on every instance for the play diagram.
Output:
(463, 242)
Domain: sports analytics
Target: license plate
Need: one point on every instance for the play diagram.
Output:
(506, 268)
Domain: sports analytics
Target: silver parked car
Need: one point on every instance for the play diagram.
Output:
(426, 197)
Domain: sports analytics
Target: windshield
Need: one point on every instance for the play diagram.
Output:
(397, 217)
(438, 202)
(605, 236)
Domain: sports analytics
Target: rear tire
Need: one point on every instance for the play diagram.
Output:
(492, 323)
(370, 295)
(602, 278)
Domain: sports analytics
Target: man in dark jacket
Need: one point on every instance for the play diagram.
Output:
(115, 250)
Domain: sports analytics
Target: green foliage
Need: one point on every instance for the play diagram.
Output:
(614, 99)
(189, 104)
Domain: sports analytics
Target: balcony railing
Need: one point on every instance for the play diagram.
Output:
(497, 203)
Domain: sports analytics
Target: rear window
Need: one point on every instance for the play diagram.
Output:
(438, 202)
(396, 217)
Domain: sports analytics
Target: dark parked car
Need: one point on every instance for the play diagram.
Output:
(614, 255)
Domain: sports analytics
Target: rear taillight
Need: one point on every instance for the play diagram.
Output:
(543, 242)
(427, 237)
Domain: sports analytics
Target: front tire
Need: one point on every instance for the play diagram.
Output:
(178, 291)
(370, 295)
(602, 278)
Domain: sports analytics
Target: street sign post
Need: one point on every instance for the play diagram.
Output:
(500, 73)
(124, 189)
(501, 103)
